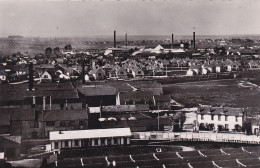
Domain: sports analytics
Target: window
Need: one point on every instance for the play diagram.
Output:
(96, 142)
(202, 116)
(212, 117)
(45, 76)
(34, 124)
(236, 118)
(62, 123)
(122, 73)
(139, 72)
(226, 118)
(66, 143)
(81, 122)
(76, 143)
(226, 126)
(99, 74)
(219, 117)
(50, 123)
(56, 145)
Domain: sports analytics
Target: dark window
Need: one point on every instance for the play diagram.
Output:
(50, 123)
(81, 123)
(202, 116)
(212, 117)
(45, 76)
(62, 123)
(99, 74)
(56, 145)
(226, 118)
(219, 117)
(66, 143)
(76, 143)
(96, 142)
(226, 126)
(236, 118)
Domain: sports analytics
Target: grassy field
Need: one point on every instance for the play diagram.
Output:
(228, 92)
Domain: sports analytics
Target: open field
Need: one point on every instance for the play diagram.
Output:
(228, 92)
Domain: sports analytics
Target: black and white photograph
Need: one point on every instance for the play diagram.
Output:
(129, 83)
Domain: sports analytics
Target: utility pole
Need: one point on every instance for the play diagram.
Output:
(158, 119)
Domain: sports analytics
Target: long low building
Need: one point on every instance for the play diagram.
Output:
(90, 138)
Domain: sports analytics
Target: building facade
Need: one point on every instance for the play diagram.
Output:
(89, 138)
(220, 118)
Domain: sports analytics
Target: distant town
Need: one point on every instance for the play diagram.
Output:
(128, 103)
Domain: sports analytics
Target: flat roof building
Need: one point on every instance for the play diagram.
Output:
(90, 138)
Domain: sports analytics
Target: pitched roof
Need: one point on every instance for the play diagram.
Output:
(97, 90)
(162, 98)
(221, 110)
(94, 133)
(66, 114)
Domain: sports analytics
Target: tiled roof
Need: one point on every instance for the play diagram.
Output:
(97, 90)
(66, 114)
(94, 133)
(162, 98)
(221, 110)
(136, 96)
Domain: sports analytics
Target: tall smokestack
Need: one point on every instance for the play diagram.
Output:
(194, 43)
(31, 76)
(126, 40)
(172, 40)
(114, 39)
(83, 71)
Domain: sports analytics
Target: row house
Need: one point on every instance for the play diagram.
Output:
(220, 118)
(33, 122)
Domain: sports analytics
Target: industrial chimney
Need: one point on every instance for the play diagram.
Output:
(114, 39)
(126, 40)
(172, 41)
(194, 43)
(83, 71)
(31, 76)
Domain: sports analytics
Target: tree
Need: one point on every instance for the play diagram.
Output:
(56, 50)
(68, 47)
(48, 51)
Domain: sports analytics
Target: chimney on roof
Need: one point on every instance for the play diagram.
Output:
(126, 40)
(114, 39)
(31, 76)
(83, 72)
(172, 41)
(194, 43)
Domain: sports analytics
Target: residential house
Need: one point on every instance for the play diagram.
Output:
(137, 72)
(33, 122)
(98, 73)
(220, 118)
(45, 76)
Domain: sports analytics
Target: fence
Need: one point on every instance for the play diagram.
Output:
(190, 136)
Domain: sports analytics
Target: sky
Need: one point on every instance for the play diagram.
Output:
(136, 17)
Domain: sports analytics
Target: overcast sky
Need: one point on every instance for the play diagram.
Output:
(49, 19)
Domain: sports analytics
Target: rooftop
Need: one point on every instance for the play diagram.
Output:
(86, 134)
